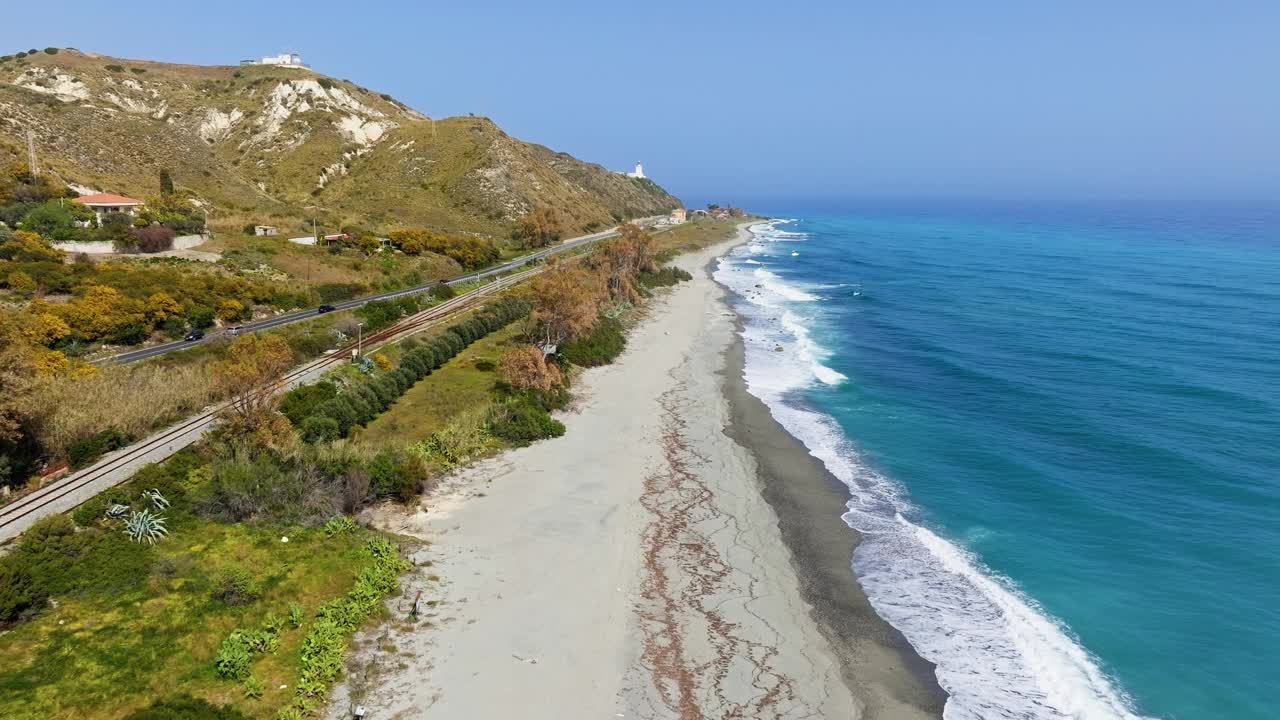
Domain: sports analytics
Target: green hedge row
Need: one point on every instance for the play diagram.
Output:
(362, 401)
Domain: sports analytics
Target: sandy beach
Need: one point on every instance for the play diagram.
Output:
(674, 555)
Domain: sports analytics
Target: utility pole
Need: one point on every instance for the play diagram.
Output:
(32, 162)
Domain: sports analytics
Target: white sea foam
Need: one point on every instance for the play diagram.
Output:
(998, 654)
(774, 284)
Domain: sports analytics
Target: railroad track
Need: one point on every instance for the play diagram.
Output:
(32, 504)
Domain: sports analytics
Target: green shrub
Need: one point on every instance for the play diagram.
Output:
(337, 526)
(378, 314)
(51, 51)
(320, 429)
(19, 591)
(395, 474)
(296, 614)
(371, 396)
(664, 277)
(454, 340)
(416, 363)
(185, 707)
(521, 422)
(253, 687)
(199, 316)
(89, 448)
(337, 292)
(605, 343)
(442, 291)
(341, 411)
(236, 587)
(234, 660)
(459, 441)
(386, 390)
(405, 378)
(302, 401)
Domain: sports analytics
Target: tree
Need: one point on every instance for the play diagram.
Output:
(98, 313)
(367, 244)
(42, 328)
(248, 375)
(525, 367)
(469, 252)
(26, 246)
(625, 257)
(17, 376)
(537, 229)
(166, 182)
(56, 219)
(230, 310)
(161, 306)
(566, 302)
(21, 283)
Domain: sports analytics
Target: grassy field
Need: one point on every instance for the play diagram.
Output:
(464, 383)
(696, 234)
(130, 623)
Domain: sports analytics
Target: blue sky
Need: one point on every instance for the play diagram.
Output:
(743, 101)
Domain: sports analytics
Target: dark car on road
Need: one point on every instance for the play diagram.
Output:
(326, 308)
(194, 335)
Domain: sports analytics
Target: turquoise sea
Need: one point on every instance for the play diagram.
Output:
(1060, 427)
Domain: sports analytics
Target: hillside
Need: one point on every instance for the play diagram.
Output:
(279, 145)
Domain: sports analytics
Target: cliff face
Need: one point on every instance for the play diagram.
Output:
(271, 142)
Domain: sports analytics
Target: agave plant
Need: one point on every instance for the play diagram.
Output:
(156, 498)
(115, 511)
(143, 525)
(615, 311)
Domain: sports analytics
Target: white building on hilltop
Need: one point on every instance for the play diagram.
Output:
(284, 59)
(638, 172)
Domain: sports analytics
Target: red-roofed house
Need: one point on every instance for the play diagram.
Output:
(104, 204)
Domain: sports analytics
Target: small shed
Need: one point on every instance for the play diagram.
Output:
(265, 230)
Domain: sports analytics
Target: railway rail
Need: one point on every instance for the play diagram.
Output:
(59, 496)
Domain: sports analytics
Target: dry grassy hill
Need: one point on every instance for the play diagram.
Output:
(277, 145)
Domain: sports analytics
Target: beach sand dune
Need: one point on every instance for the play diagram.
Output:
(631, 568)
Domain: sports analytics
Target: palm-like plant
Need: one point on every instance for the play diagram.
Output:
(143, 525)
(116, 511)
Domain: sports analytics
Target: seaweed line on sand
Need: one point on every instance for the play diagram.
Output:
(684, 580)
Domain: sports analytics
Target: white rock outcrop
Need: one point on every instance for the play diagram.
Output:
(217, 125)
(362, 124)
(53, 81)
(361, 131)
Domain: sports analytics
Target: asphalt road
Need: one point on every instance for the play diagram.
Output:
(297, 315)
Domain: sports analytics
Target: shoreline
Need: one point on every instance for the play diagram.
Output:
(876, 660)
(635, 567)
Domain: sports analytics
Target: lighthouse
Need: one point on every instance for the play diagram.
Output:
(639, 171)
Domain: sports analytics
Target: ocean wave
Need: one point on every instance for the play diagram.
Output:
(771, 232)
(771, 282)
(998, 654)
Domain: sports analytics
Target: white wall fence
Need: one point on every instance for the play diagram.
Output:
(182, 242)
